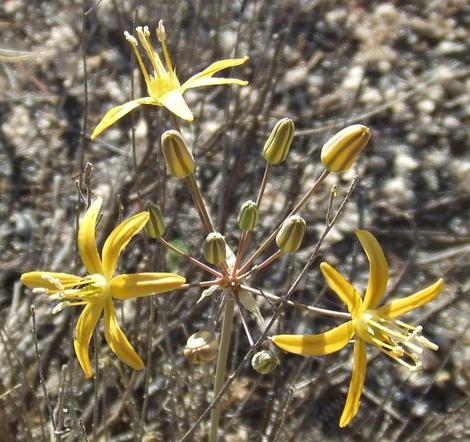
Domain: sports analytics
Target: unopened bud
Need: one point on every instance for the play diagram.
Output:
(264, 362)
(214, 248)
(155, 227)
(248, 216)
(340, 151)
(277, 146)
(201, 347)
(289, 237)
(179, 160)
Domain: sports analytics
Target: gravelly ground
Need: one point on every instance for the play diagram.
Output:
(400, 68)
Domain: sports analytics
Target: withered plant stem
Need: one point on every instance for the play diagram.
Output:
(297, 305)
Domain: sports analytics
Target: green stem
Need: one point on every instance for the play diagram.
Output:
(199, 203)
(222, 364)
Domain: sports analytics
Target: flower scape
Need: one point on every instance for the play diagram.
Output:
(224, 263)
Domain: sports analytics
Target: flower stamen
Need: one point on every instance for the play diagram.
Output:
(401, 341)
(133, 41)
(144, 37)
(161, 35)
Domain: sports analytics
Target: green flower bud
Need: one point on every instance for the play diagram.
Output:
(179, 160)
(248, 216)
(289, 237)
(155, 227)
(264, 362)
(340, 151)
(277, 146)
(201, 347)
(214, 248)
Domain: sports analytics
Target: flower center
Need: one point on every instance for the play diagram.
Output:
(163, 78)
(397, 339)
(157, 87)
(90, 289)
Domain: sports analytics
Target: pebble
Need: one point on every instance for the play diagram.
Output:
(426, 106)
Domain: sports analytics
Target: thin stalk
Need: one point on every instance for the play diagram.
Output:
(189, 258)
(264, 181)
(297, 305)
(241, 249)
(294, 211)
(222, 364)
(199, 203)
(261, 265)
(42, 381)
(244, 322)
(273, 319)
(245, 235)
(203, 284)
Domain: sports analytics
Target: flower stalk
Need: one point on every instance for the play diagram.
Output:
(294, 211)
(199, 203)
(222, 363)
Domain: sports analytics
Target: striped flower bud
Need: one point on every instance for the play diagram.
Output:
(214, 248)
(340, 151)
(289, 237)
(248, 216)
(179, 160)
(201, 347)
(264, 362)
(277, 146)
(155, 227)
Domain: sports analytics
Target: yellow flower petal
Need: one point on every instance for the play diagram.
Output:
(341, 286)
(116, 339)
(401, 306)
(378, 276)
(40, 279)
(116, 113)
(144, 284)
(316, 345)
(357, 383)
(204, 81)
(213, 69)
(119, 238)
(84, 330)
(87, 240)
(175, 103)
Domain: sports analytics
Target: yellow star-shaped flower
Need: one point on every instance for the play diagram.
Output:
(163, 86)
(97, 290)
(369, 323)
